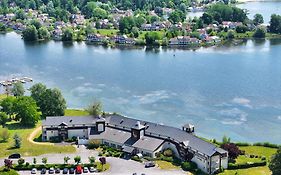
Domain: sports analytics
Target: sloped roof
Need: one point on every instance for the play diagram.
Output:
(68, 120)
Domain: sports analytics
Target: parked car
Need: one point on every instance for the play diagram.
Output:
(71, 171)
(57, 171)
(92, 169)
(85, 170)
(149, 164)
(65, 171)
(33, 171)
(43, 171)
(51, 170)
(134, 174)
(14, 156)
(142, 173)
(78, 169)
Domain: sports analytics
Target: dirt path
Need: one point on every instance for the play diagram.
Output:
(33, 135)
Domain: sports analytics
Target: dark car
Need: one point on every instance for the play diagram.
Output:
(65, 171)
(71, 171)
(57, 170)
(43, 171)
(51, 170)
(14, 156)
(149, 164)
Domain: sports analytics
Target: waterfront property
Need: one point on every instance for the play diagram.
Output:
(133, 136)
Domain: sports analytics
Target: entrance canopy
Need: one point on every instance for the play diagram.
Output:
(127, 149)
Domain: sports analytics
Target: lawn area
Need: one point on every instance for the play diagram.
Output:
(75, 112)
(2, 96)
(259, 151)
(166, 165)
(28, 148)
(252, 150)
(107, 32)
(250, 171)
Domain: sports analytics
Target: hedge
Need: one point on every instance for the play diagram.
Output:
(267, 144)
(232, 166)
(189, 166)
(48, 166)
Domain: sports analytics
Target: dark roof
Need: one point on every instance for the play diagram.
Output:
(68, 120)
(173, 133)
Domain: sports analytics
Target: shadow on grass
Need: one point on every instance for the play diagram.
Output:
(12, 148)
(38, 139)
(17, 125)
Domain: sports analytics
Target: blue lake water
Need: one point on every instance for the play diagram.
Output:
(233, 90)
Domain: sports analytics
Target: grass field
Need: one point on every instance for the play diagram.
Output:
(28, 148)
(75, 112)
(252, 150)
(107, 32)
(2, 96)
(166, 165)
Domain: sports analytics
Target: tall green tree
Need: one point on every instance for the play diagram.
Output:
(67, 34)
(258, 19)
(7, 105)
(26, 111)
(95, 109)
(18, 89)
(275, 163)
(30, 33)
(4, 118)
(275, 24)
(43, 33)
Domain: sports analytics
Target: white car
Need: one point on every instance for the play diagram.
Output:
(85, 170)
(92, 169)
(33, 171)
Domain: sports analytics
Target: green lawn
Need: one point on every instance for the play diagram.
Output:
(252, 150)
(259, 151)
(2, 96)
(244, 159)
(28, 148)
(166, 165)
(75, 112)
(107, 32)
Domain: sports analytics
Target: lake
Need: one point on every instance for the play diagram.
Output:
(234, 90)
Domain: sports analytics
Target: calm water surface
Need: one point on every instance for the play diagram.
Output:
(232, 90)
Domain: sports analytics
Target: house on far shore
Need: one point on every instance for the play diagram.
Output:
(184, 41)
(95, 38)
(137, 137)
(123, 39)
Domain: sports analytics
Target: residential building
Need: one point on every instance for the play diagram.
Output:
(134, 136)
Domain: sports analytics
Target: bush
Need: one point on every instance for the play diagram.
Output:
(55, 139)
(232, 166)
(136, 158)
(21, 161)
(93, 144)
(189, 166)
(4, 134)
(168, 153)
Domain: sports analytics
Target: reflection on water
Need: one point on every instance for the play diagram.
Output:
(232, 89)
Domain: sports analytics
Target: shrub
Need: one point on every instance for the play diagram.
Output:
(92, 159)
(4, 134)
(168, 153)
(93, 144)
(77, 159)
(21, 161)
(17, 141)
(136, 158)
(189, 166)
(55, 139)
(232, 166)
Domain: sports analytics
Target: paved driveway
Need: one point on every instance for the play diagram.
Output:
(117, 166)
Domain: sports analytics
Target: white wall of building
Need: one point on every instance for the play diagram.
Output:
(51, 133)
(82, 133)
(224, 162)
(201, 163)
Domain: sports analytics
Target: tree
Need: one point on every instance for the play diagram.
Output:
(66, 159)
(17, 141)
(275, 164)
(95, 109)
(225, 139)
(259, 33)
(151, 37)
(20, 14)
(44, 160)
(3, 118)
(233, 150)
(7, 105)
(258, 19)
(77, 159)
(92, 159)
(4, 134)
(176, 16)
(230, 34)
(34, 161)
(67, 34)
(207, 18)
(18, 89)
(36, 23)
(102, 161)
(135, 32)
(3, 28)
(30, 33)
(43, 33)
(50, 101)
(126, 24)
(25, 109)
(275, 24)
(8, 163)
(21, 161)
(99, 13)
(241, 29)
